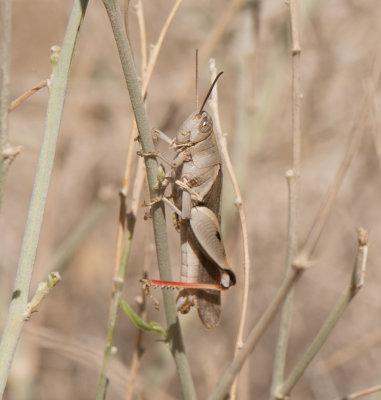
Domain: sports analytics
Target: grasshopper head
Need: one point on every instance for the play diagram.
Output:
(199, 125)
(196, 128)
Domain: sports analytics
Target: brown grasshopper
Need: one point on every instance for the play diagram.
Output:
(196, 194)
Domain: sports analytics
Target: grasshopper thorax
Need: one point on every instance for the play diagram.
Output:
(196, 128)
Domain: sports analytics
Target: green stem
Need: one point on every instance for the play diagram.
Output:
(175, 339)
(6, 24)
(117, 293)
(19, 301)
(286, 314)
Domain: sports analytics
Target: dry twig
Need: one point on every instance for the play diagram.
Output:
(292, 177)
(238, 202)
(27, 94)
(356, 283)
(222, 389)
(362, 393)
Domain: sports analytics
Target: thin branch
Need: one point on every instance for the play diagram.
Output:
(155, 50)
(158, 216)
(238, 202)
(27, 94)
(19, 301)
(296, 86)
(362, 393)
(138, 351)
(241, 146)
(130, 149)
(130, 153)
(357, 281)
(375, 108)
(118, 282)
(292, 177)
(11, 152)
(222, 389)
(6, 23)
(136, 355)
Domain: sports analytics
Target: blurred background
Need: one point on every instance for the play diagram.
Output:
(61, 346)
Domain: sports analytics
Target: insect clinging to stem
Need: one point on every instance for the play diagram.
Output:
(196, 192)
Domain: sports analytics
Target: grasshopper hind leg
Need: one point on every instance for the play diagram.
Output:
(209, 301)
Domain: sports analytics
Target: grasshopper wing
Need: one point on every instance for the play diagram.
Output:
(206, 229)
(204, 235)
(209, 301)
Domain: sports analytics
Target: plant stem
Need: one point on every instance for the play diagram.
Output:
(285, 319)
(255, 334)
(238, 202)
(116, 295)
(19, 301)
(293, 185)
(362, 393)
(175, 339)
(6, 24)
(27, 94)
(356, 283)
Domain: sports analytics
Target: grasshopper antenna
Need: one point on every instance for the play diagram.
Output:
(210, 91)
(196, 79)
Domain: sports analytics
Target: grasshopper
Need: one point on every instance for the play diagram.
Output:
(196, 193)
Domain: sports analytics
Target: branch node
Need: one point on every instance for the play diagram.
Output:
(280, 396)
(289, 174)
(122, 193)
(10, 152)
(362, 237)
(240, 344)
(118, 282)
(296, 50)
(238, 202)
(42, 291)
(300, 262)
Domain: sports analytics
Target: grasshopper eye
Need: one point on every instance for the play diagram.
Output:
(206, 124)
